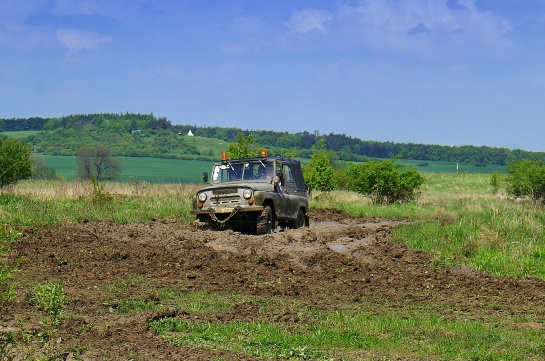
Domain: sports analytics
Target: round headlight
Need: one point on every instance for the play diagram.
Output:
(201, 197)
(247, 193)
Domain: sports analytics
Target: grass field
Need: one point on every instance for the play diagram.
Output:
(150, 170)
(450, 167)
(161, 170)
(457, 219)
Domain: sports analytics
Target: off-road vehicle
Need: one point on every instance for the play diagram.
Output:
(255, 195)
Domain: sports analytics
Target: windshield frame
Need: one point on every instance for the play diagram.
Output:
(254, 170)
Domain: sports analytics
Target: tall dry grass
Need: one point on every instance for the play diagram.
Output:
(61, 189)
(30, 203)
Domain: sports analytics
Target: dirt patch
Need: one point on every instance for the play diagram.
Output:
(336, 259)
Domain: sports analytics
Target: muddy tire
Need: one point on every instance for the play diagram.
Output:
(264, 221)
(298, 222)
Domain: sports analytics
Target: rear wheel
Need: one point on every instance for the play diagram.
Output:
(298, 222)
(264, 221)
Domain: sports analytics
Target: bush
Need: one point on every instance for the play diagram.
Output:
(15, 163)
(385, 181)
(495, 182)
(526, 178)
(319, 173)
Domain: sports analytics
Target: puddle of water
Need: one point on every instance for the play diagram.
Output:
(339, 247)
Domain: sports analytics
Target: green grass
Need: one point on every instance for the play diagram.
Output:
(450, 167)
(163, 170)
(459, 221)
(205, 145)
(68, 202)
(356, 333)
(456, 219)
(151, 170)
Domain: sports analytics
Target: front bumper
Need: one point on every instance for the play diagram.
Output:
(226, 210)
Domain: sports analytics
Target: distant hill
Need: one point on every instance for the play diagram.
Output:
(144, 135)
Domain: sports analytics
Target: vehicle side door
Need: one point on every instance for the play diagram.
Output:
(289, 188)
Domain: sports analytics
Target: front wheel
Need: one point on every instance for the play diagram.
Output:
(264, 221)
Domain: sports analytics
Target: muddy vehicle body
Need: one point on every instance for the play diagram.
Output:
(254, 195)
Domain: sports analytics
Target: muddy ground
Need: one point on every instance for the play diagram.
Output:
(339, 259)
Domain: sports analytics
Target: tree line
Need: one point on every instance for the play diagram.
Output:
(73, 131)
(356, 150)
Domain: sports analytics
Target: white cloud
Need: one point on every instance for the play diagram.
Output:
(307, 20)
(425, 27)
(76, 40)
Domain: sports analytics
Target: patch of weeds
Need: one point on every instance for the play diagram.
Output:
(11, 199)
(128, 306)
(50, 298)
(255, 339)
(97, 193)
(7, 291)
(8, 234)
(23, 344)
(116, 287)
(301, 353)
(7, 345)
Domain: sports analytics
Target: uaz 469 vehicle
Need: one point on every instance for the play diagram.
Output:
(254, 194)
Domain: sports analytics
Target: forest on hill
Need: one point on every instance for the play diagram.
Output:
(145, 135)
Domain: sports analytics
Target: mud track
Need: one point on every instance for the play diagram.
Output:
(337, 259)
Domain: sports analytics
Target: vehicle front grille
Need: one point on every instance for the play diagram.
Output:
(225, 201)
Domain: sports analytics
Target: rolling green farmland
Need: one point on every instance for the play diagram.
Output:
(160, 170)
(210, 145)
(151, 170)
(450, 167)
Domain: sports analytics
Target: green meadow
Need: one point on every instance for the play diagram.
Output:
(450, 167)
(457, 219)
(150, 170)
(162, 170)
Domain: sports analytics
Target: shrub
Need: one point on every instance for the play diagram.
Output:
(385, 181)
(15, 163)
(495, 182)
(526, 178)
(50, 298)
(319, 173)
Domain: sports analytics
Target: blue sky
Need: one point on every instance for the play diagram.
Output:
(449, 72)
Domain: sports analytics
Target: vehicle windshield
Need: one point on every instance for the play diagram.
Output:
(241, 171)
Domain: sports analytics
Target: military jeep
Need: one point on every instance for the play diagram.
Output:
(255, 195)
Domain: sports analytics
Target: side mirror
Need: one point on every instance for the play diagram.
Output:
(205, 177)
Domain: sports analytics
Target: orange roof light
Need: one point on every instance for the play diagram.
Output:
(224, 156)
(264, 153)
